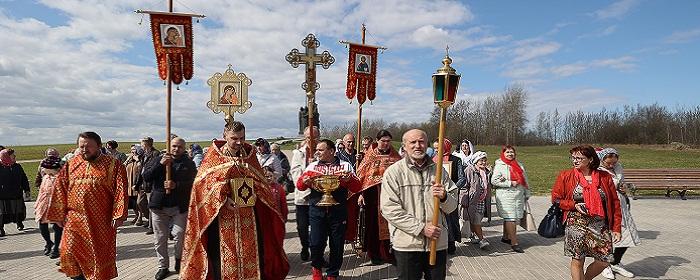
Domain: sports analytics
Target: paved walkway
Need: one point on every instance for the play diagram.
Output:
(668, 228)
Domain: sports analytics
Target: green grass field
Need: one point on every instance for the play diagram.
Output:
(542, 163)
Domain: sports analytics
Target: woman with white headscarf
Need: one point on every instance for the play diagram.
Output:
(609, 162)
(472, 198)
(464, 152)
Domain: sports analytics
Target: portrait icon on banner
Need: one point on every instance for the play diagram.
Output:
(172, 35)
(230, 94)
(363, 63)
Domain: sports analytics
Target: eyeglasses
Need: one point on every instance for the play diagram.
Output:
(578, 158)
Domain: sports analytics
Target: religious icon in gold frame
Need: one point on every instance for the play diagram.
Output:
(229, 92)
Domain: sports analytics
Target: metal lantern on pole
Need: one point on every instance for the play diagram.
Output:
(445, 83)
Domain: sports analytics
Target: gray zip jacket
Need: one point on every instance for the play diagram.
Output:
(407, 203)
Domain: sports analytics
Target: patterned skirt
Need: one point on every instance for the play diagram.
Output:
(587, 236)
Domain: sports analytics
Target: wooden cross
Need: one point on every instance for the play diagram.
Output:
(310, 58)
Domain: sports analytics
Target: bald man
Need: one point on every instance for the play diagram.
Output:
(349, 153)
(170, 207)
(407, 191)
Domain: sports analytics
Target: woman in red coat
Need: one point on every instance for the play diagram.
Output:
(591, 212)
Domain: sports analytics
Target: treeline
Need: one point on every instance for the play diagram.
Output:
(502, 119)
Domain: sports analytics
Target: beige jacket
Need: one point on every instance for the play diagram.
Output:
(407, 203)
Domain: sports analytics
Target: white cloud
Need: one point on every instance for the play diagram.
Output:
(524, 71)
(683, 36)
(571, 100)
(600, 33)
(623, 63)
(616, 10)
(430, 36)
(529, 49)
(85, 74)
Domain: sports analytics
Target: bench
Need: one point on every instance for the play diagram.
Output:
(668, 179)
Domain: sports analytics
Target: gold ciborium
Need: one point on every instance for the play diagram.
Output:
(327, 184)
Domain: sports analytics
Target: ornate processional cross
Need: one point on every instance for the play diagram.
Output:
(310, 58)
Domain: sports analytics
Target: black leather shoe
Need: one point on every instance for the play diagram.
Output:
(507, 241)
(516, 248)
(304, 254)
(177, 265)
(54, 254)
(20, 226)
(47, 249)
(149, 232)
(376, 261)
(162, 273)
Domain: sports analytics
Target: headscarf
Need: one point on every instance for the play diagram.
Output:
(458, 149)
(6, 158)
(51, 162)
(473, 158)
(477, 156)
(466, 158)
(196, 149)
(516, 172)
(604, 152)
(446, 148)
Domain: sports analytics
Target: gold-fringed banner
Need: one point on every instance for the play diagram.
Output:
(362, 73)
(172, 40)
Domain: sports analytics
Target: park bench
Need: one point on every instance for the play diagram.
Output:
(668, 179)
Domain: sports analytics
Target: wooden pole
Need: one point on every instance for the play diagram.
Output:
(168, 104)
(358, 140)
(312, 139)
(438, 179)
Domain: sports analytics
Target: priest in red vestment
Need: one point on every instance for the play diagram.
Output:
(234, 229)
(89, 201)
(376, 239)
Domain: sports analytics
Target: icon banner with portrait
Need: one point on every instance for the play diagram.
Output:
(362, 73)
(172, 39)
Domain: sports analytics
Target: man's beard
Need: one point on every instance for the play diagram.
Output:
(89, 157)
(417, 157)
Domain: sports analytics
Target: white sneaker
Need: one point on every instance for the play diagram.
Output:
(607, 273)
(483, 244)
(622, 271)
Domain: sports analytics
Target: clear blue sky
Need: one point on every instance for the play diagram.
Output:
(68, 66)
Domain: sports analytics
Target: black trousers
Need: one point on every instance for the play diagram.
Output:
(302, 216)
(617, 255)
(57, 234)
(415, 265)
(327, 225)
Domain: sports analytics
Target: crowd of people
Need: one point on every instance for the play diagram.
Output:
(225, 206)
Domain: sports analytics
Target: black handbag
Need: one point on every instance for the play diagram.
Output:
(552, 225)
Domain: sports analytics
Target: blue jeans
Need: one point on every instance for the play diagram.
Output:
(327, 223)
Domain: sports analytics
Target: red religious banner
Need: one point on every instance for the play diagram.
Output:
(362, 73)
(172, 39)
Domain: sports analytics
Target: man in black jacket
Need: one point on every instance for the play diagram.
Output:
(169, 201)
(149, 153)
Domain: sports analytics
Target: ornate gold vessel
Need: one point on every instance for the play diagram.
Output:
(327, 184)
